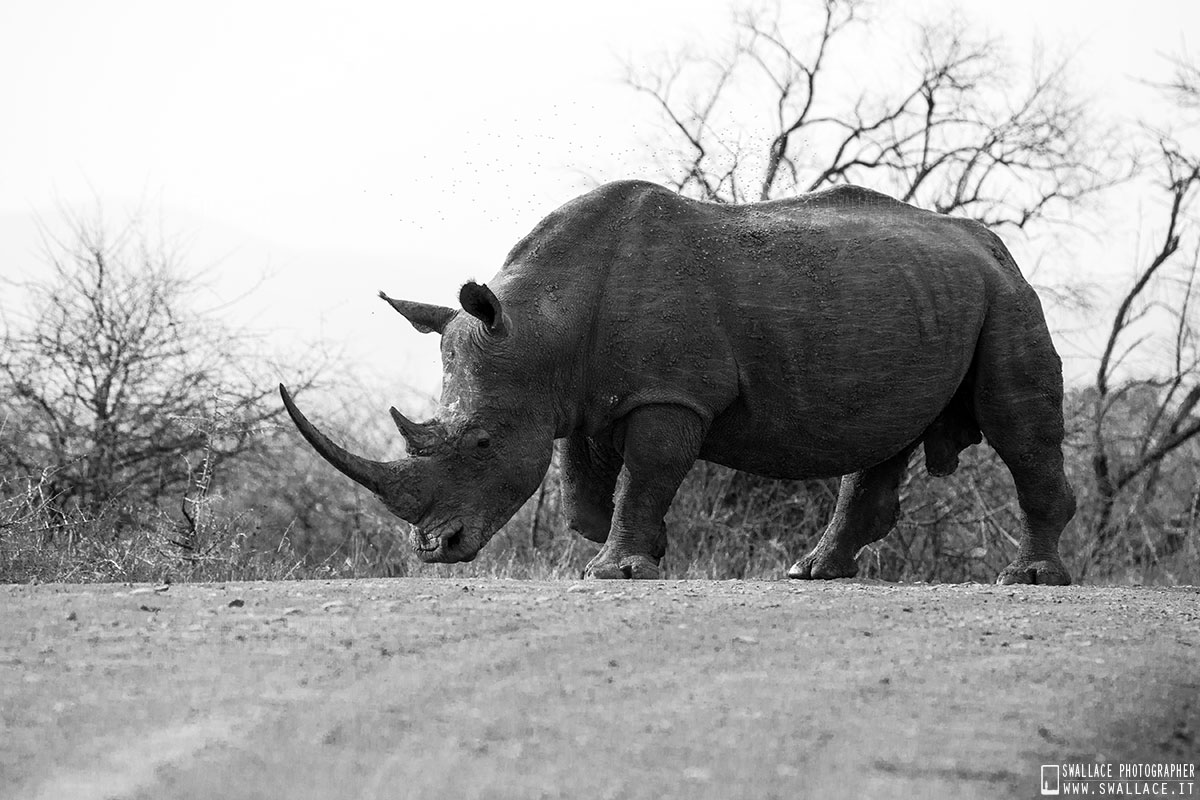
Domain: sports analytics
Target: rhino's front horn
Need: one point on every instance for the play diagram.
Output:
(402, 485)
(372, 474)
(417, 435)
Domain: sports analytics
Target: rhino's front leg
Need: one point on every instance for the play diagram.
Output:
(587, 481)
(659, 444)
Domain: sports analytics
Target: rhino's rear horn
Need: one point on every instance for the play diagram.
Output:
(419, 436)
(425, 318)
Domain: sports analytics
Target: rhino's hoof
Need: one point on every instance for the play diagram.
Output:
(1043, 573)
(823, 567)
(630, 567)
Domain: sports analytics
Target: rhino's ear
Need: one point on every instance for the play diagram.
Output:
(425, 318)
(479, 301)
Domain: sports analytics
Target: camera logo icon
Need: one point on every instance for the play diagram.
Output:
(1050, 779)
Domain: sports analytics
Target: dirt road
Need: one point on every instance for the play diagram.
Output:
(496, 689)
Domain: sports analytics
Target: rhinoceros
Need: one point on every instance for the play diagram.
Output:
(822, 335)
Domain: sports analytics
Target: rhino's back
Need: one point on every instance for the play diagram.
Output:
(853, 319)
(816, 333)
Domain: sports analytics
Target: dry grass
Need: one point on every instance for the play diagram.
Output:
(723, 525)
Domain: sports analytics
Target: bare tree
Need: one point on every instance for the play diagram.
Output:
(962, 134)
(113, 384)
(1129, 450)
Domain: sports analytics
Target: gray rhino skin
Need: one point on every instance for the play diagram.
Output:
(827, 334)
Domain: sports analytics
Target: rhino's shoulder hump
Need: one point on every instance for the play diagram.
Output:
(620, 198)
(578, 234)
(623, 191)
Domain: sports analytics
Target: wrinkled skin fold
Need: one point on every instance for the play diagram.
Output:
(835, 333)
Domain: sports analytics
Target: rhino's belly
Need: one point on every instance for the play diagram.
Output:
(825, 396)
(805, 435)
(786, 454)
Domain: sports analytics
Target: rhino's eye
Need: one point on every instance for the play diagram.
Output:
(477, 439)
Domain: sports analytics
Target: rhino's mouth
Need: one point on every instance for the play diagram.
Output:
(445, 543)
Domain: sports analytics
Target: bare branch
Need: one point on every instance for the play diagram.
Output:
(1182, 179)
(966, 135)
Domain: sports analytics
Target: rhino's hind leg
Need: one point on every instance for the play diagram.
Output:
(1018, 401)
(659, 444)
(867, 505)
(587, 481)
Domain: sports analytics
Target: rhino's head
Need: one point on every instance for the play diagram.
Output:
(470, 468)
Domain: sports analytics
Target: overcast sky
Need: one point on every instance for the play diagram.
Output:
(348, 147)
